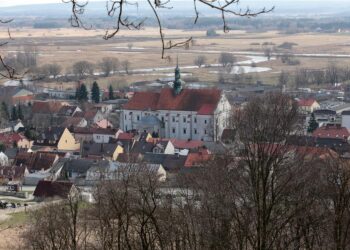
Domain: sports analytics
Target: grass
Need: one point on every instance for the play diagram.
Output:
(16, 219)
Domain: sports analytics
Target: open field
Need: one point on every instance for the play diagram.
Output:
(66, 46)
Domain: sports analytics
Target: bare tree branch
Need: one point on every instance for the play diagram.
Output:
(116, 8)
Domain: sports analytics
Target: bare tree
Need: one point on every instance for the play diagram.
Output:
(83, 68)
(227, 59)
(126, 66)
(118, 10)
(109, 65)
(283, 78)
(200, 60)
(51, 70)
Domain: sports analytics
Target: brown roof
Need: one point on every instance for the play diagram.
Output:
(72, 121)
(44, 107)
(187, 100)
(35, 161)
(306, 102)
(47, 189)
(331, 132)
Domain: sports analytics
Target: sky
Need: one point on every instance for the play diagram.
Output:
(4, 3)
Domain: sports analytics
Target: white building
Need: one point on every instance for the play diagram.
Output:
(188, 114)
(345, 119)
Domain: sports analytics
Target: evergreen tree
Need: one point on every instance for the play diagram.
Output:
(81, 93)
(14, 114)
(110, 93)
(95, 92)
(313, 125)
(20, 112)
(4, 112)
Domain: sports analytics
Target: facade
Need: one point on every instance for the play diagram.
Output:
(308, 105)
(187, 114)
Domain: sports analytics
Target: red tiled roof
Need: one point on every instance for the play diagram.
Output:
(185, 144)
(195, 159)
(331, 132)
(46, 107)
(306, 102)
(207, 109)
(187, 100)
(10, 138)
(125, 136)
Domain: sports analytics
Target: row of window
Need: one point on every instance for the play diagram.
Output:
(173, 119)
(185, 131)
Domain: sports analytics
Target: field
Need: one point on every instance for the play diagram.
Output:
(66, 46)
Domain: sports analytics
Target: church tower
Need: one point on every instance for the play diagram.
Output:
(178, 82)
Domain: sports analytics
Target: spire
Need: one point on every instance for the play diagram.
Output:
(178, 82)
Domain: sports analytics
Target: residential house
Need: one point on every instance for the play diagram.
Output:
(59, 138)
(68, 110)
(91, 116)
(119, 171)
(156, 147)
(325, 116)
(12, 173)
(54, 190)
(332, 131)
(15, 140)
(75, 170)
(181, 113)
(78, 122)
(44, 113)
(196, 159)
(101, 135)
(109, 151)
(308, 105)
(22, 96)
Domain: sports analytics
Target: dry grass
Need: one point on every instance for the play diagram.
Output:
(66, 46)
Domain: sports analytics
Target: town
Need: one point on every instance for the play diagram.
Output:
(125, 132)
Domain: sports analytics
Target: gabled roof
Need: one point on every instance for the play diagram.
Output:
(187, 100)
(23, 92)
(325, 112)
(46, 107)
(67, 110)
(331, 132)
(72, 121)
(10, 138)
(49, 189)
(198, 158)
(207, 109)
(306, 102)
(35, 161)
(99, 149)
(50, 136)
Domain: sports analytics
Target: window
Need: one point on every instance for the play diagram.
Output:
(184, 119)
(205, 131)
(185, 130)
(173, 118)
(174, 130)
(162, 118)
(195, 120)
(195, 131)
(138, 117)
(125, 117)
(205, 121)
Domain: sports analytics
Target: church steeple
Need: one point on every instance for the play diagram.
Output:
(178, 82)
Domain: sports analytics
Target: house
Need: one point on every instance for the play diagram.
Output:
(79, 122)
(101, 135)
(36, 162)
(44, 113)
(308, 105)
(181, 113)
(75, 170)
(59, 138)
(332, 131)
(156, 147)
(54, 190)
(196, 159)
(109, 151)
(68, 110)
(12, 173)
(82, 134)
(15, 140)
(104, 124)
(91, 116)
(325, 116)
(345, 119)
(119, 171)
